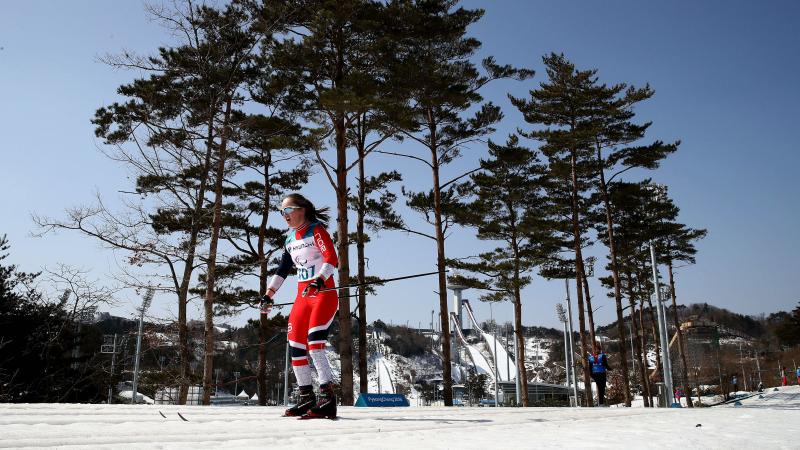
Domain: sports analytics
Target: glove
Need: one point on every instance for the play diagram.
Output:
(266, 304)
(313, 288)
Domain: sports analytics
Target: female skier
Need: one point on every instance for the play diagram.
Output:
(310, 249)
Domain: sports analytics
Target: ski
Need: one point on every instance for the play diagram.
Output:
(179, 415)
(309, 417)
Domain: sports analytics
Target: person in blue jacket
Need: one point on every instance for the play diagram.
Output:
(598, 361)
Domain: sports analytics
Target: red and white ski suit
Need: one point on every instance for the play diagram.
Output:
(311, 251)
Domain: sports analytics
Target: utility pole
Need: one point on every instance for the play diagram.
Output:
(758, 368)
(491, 319)
(562, 316)
(236, 384)
(662, 329)
(741, 363)
(113, 351)
(508, 355)
(516, 358)
(148, 298)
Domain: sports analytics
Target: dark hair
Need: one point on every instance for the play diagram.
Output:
(313, 214)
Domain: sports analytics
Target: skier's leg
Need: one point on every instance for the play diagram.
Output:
(322, 315)
(323, 311)
(298, 332)
(601, 388)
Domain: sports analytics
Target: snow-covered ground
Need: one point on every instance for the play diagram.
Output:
(769, 422)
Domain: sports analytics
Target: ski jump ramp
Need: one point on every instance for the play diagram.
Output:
(479, 361)
(506, 368)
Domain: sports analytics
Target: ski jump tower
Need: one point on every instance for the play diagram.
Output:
(458, 310)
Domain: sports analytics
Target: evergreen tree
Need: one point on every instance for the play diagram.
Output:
(273, 151)
(187, 109)
(562, 108)
(432, 68)
(613, 133)
(631, 234)
(375, 121)
(510, 208)
(676, 243)
(328, 62)
(367, 206)
(44, 355)
(173, 121)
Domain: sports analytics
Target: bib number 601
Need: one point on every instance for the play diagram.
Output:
(305, 273)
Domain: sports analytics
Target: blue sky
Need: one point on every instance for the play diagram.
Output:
(724, 73)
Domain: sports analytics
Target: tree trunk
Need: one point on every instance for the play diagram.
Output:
(521, 372)
(615, 275)
(641, 358)
(263, 329)
(589, 312)
(212, 258)
(684, 367)
(646, 373)
(188, 269)
(342, 247)
(447, 374)
(638, 348)
(363, 369)
(576, 231)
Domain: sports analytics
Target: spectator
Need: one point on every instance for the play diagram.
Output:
(599, 364)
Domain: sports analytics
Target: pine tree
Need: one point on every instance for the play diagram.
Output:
(675, 242)
(375, 121)
(177, 122)
(368, 207)
(613, 133)
(232, 46)
(510, 207)
(631, 234)
(432, 68)
(561, 107)
(328, 62)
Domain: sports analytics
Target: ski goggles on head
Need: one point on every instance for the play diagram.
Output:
(289, 209)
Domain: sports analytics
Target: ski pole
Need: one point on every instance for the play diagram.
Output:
(355, 286)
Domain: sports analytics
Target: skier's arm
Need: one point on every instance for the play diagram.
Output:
(325, 245)
(280, 275)
(605, 362)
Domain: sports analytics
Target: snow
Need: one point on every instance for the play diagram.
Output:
(139, 395)
(769, 422)
(385, 376)
(482, 366)
(506, 368)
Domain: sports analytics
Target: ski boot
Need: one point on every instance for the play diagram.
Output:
(304, 403)
(326, 405)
